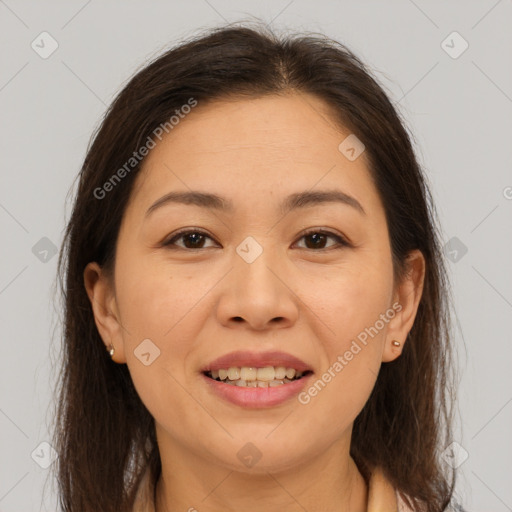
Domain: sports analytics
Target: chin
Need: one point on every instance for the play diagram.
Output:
(260, 457)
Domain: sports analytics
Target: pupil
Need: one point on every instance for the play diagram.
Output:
(316, 236)
(197, 237)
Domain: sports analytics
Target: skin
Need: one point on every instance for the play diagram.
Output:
(198, 304)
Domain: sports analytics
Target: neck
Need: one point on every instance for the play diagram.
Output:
(330, 482)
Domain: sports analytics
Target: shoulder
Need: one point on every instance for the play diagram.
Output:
(144, 498)
(403, 507)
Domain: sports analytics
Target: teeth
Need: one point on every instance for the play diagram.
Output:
(248, 373)
(280, 372)
(266, 374)
(290, 373)
(233, 373)
(249, 376)
(257, 383)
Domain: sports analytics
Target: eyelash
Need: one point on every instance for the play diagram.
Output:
(341, 242)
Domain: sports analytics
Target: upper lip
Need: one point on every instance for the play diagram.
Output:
(257, 359)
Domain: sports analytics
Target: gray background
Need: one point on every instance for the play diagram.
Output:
(459, 110)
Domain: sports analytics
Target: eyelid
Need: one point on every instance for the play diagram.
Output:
(342, 241)
(185, 231)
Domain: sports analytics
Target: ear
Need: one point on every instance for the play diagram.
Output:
(406, 300)
(100, 291)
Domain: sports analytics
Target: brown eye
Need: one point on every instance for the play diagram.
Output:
(316, 239)
(192, 239)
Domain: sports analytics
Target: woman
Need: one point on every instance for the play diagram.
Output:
(254, 245)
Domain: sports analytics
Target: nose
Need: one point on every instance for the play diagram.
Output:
(258, 295)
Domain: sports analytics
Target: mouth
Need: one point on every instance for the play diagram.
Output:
(254, 377)
(251, 379)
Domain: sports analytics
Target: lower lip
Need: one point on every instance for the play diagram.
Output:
(257, 397)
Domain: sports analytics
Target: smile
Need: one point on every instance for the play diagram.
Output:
(252, 377)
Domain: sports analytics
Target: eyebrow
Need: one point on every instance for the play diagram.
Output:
(291, 202)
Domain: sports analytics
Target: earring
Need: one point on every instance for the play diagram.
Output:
(111, 350)
(395, 343)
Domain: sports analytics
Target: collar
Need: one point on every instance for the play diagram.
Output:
(382, 497)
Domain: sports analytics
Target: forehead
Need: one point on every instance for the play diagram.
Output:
(254, 148)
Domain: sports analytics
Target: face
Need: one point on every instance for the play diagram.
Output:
(313, 281)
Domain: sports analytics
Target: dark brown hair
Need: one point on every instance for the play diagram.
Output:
(104, 435)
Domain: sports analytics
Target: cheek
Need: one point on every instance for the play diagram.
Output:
(352, 301)
(157, 301)
(160, 307)
(333, 401)
(351, 307)
(156, 305)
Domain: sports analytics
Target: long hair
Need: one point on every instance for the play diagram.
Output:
(104, 435)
